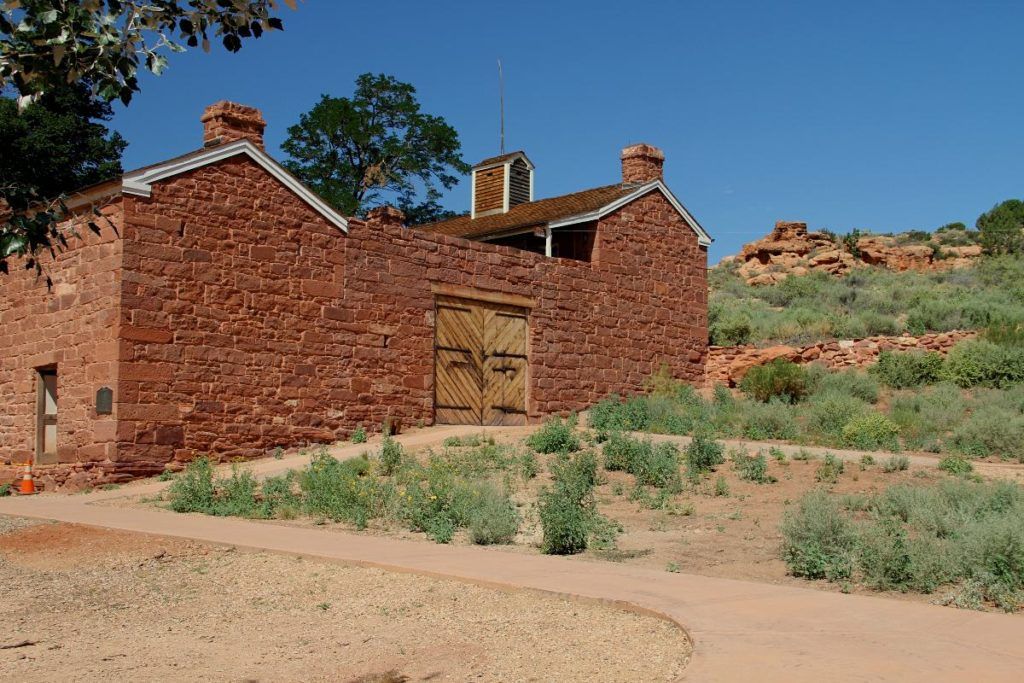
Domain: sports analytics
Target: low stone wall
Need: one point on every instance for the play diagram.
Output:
(727, 364)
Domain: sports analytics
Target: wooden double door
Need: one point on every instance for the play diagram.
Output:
(480, 363)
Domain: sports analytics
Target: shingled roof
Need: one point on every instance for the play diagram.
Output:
(500, 159)
(531, 214)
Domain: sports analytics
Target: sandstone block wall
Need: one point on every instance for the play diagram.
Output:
(727, 364)
(230, 318)
(73, 327)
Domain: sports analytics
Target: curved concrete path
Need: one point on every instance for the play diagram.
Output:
(741, 630)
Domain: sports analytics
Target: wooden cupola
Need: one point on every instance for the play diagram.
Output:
(501, 182)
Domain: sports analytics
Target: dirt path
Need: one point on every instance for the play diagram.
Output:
(116, 605)
(740, 630)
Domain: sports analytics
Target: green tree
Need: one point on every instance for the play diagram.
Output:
(47, 45)
(354, 150)
(1002, 228)
(59, 143)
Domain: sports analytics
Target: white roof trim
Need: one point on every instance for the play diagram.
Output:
(141, 182)
(703, 238)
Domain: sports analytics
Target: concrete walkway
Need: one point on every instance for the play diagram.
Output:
(741, 631)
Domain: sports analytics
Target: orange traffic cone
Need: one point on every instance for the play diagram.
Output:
(27, 486)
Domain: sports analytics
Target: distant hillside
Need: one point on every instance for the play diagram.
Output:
(868, 301)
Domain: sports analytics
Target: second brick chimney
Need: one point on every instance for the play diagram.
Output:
(641, 164)
(229, 121)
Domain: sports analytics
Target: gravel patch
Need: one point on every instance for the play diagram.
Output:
(122, 606)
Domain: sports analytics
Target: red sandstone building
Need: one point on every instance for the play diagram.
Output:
(224, 308)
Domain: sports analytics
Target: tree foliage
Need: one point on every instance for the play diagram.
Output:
(48, 43)
(59, 143)
(1002, 228)
(56, 145)
(353, 151)
(88, 50)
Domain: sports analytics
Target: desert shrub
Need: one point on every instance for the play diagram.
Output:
(780, 379)
(978, 362)
(556, 436)
(854, 383)
(472, 441)
(728, 326)
(436, 500)
(1005, 333)
(652, 465)
(621, 451)
(924, 416)
(919, 538)
(359, 435)
(481, 459)
(493, 518)
(817, 539)
(896, 463)
(772, 420)
(193, 490)
(342, 491)
(278, 497)
(703, 454)
(993, 555)
(901, 370)
(883, 555)
(872, 432)
(956, 464)
(236, 496)
(567, 509)
(529, 465)
(617, 414)
(962, 530)
(994, 431)
(828, 412)
(829, 470)
(753, 468)
(5, 489)
(661, 468)
(721, 487)
(390, 456)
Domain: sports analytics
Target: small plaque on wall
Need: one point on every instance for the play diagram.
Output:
(104, 401)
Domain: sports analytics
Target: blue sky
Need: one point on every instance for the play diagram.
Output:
(872, 115)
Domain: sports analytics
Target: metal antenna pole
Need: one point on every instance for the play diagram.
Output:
(501, 100)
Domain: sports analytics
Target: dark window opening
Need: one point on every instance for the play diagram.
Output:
(575, 241)
(527, 241)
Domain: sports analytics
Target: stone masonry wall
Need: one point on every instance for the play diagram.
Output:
(254, 323)
(72, 326)
(230, 318)
(727, 364)
(596, 327)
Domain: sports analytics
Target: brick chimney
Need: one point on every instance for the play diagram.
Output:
(641, 164)
(385, 216)
(228, 121)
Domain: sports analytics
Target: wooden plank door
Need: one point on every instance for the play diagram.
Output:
(480, 363)
(458, 363)
(46, 417)
(505, 366)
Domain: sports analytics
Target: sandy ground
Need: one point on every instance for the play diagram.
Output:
(87, 604)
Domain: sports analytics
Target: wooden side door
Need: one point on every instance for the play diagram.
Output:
(46, 416)
(505, 366)
(458, 362)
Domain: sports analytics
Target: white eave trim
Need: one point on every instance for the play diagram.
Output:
(141, 182)
(703, 238)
